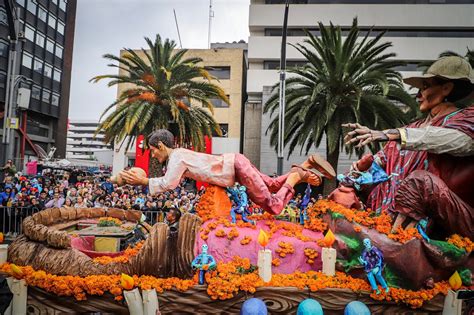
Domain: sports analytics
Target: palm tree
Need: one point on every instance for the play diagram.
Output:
(344, 80)
(162, 87)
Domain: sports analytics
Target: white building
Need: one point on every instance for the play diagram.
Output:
(82, 145)
(419, 31)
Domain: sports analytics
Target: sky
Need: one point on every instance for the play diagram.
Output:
(106, 26)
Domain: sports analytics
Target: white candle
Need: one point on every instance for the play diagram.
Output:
(3, 253)
(265, 264)
(329, 261)
(134, 301)
(150, 302)
(20, 294)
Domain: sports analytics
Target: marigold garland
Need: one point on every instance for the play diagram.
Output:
(311, 254)
(284, 249)
(125, 257)
(247, 239)
(461, 242)
(109, 221)
(223, 283)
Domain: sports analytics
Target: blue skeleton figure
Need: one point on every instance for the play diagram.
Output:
(240, 202)
(203, 262)
(304, 203)
(421, 227)
(372, 259)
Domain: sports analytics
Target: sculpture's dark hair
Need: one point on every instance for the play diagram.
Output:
(161, 135)
(462, 89)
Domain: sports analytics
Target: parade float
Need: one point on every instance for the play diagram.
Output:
(66, 257)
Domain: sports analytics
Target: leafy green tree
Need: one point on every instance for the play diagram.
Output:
(344, 80)
(161, 88)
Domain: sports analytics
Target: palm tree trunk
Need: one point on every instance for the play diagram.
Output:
(332, 158)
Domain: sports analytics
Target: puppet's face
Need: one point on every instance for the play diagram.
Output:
(433, 93)
(367, 244)
(159, 152)
(204, 249)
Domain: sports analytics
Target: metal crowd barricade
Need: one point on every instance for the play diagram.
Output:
(153, 216)
(12, 220)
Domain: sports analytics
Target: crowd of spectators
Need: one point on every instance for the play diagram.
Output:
(29, 194)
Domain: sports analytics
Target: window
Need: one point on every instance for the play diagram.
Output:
(55, 99)
(3, 79)
(217, 102)
(52, 21)
(36, 92)
(61, 27)
(275, 64)
(224, 131)
(31, 6)
(40, 39)
(48, 70)
(57, 75)
(62, 5)
(38, 66)
(3, 48)
(46, 96)
(42, 14)
(50, 46)
(27, 60)
(3, 16)
(219, 72)
(59, 51)
(29, 33)
(21, 2)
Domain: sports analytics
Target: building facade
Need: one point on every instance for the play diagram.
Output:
(43, 70)
(82, 145)
(419, 30)
(229, 67)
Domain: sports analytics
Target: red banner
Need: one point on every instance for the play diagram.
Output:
(142, 157)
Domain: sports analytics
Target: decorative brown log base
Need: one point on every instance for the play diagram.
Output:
(283, 300)
(43, 247)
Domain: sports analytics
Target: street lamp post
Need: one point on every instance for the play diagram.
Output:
(281, 107)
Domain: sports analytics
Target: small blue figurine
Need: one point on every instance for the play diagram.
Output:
(253, 306)
(421, 227)
(201, 261)
(372, 259)
(240, 202)
(304, 203)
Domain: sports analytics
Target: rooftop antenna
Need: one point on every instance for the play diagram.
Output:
(211, 15)
(177, 28)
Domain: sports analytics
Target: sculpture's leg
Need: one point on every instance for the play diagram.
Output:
(244, 216)
(233, 214)
(302, 216)
(423, 194)
(372, 282)
(258, 191)
(381, 280)
(201, 276)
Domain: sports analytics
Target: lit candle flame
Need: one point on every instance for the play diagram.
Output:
(329, 238)
(126, 282)
(455, 281)
(16, 271)
(263, 238)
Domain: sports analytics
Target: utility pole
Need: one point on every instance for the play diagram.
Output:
(8, 132)
(211, 15)
(281, 107)
(177, 28)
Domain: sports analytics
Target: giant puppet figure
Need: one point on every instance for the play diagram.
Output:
(272, 194)
(432, 159)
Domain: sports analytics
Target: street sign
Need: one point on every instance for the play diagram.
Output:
(13, 123)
